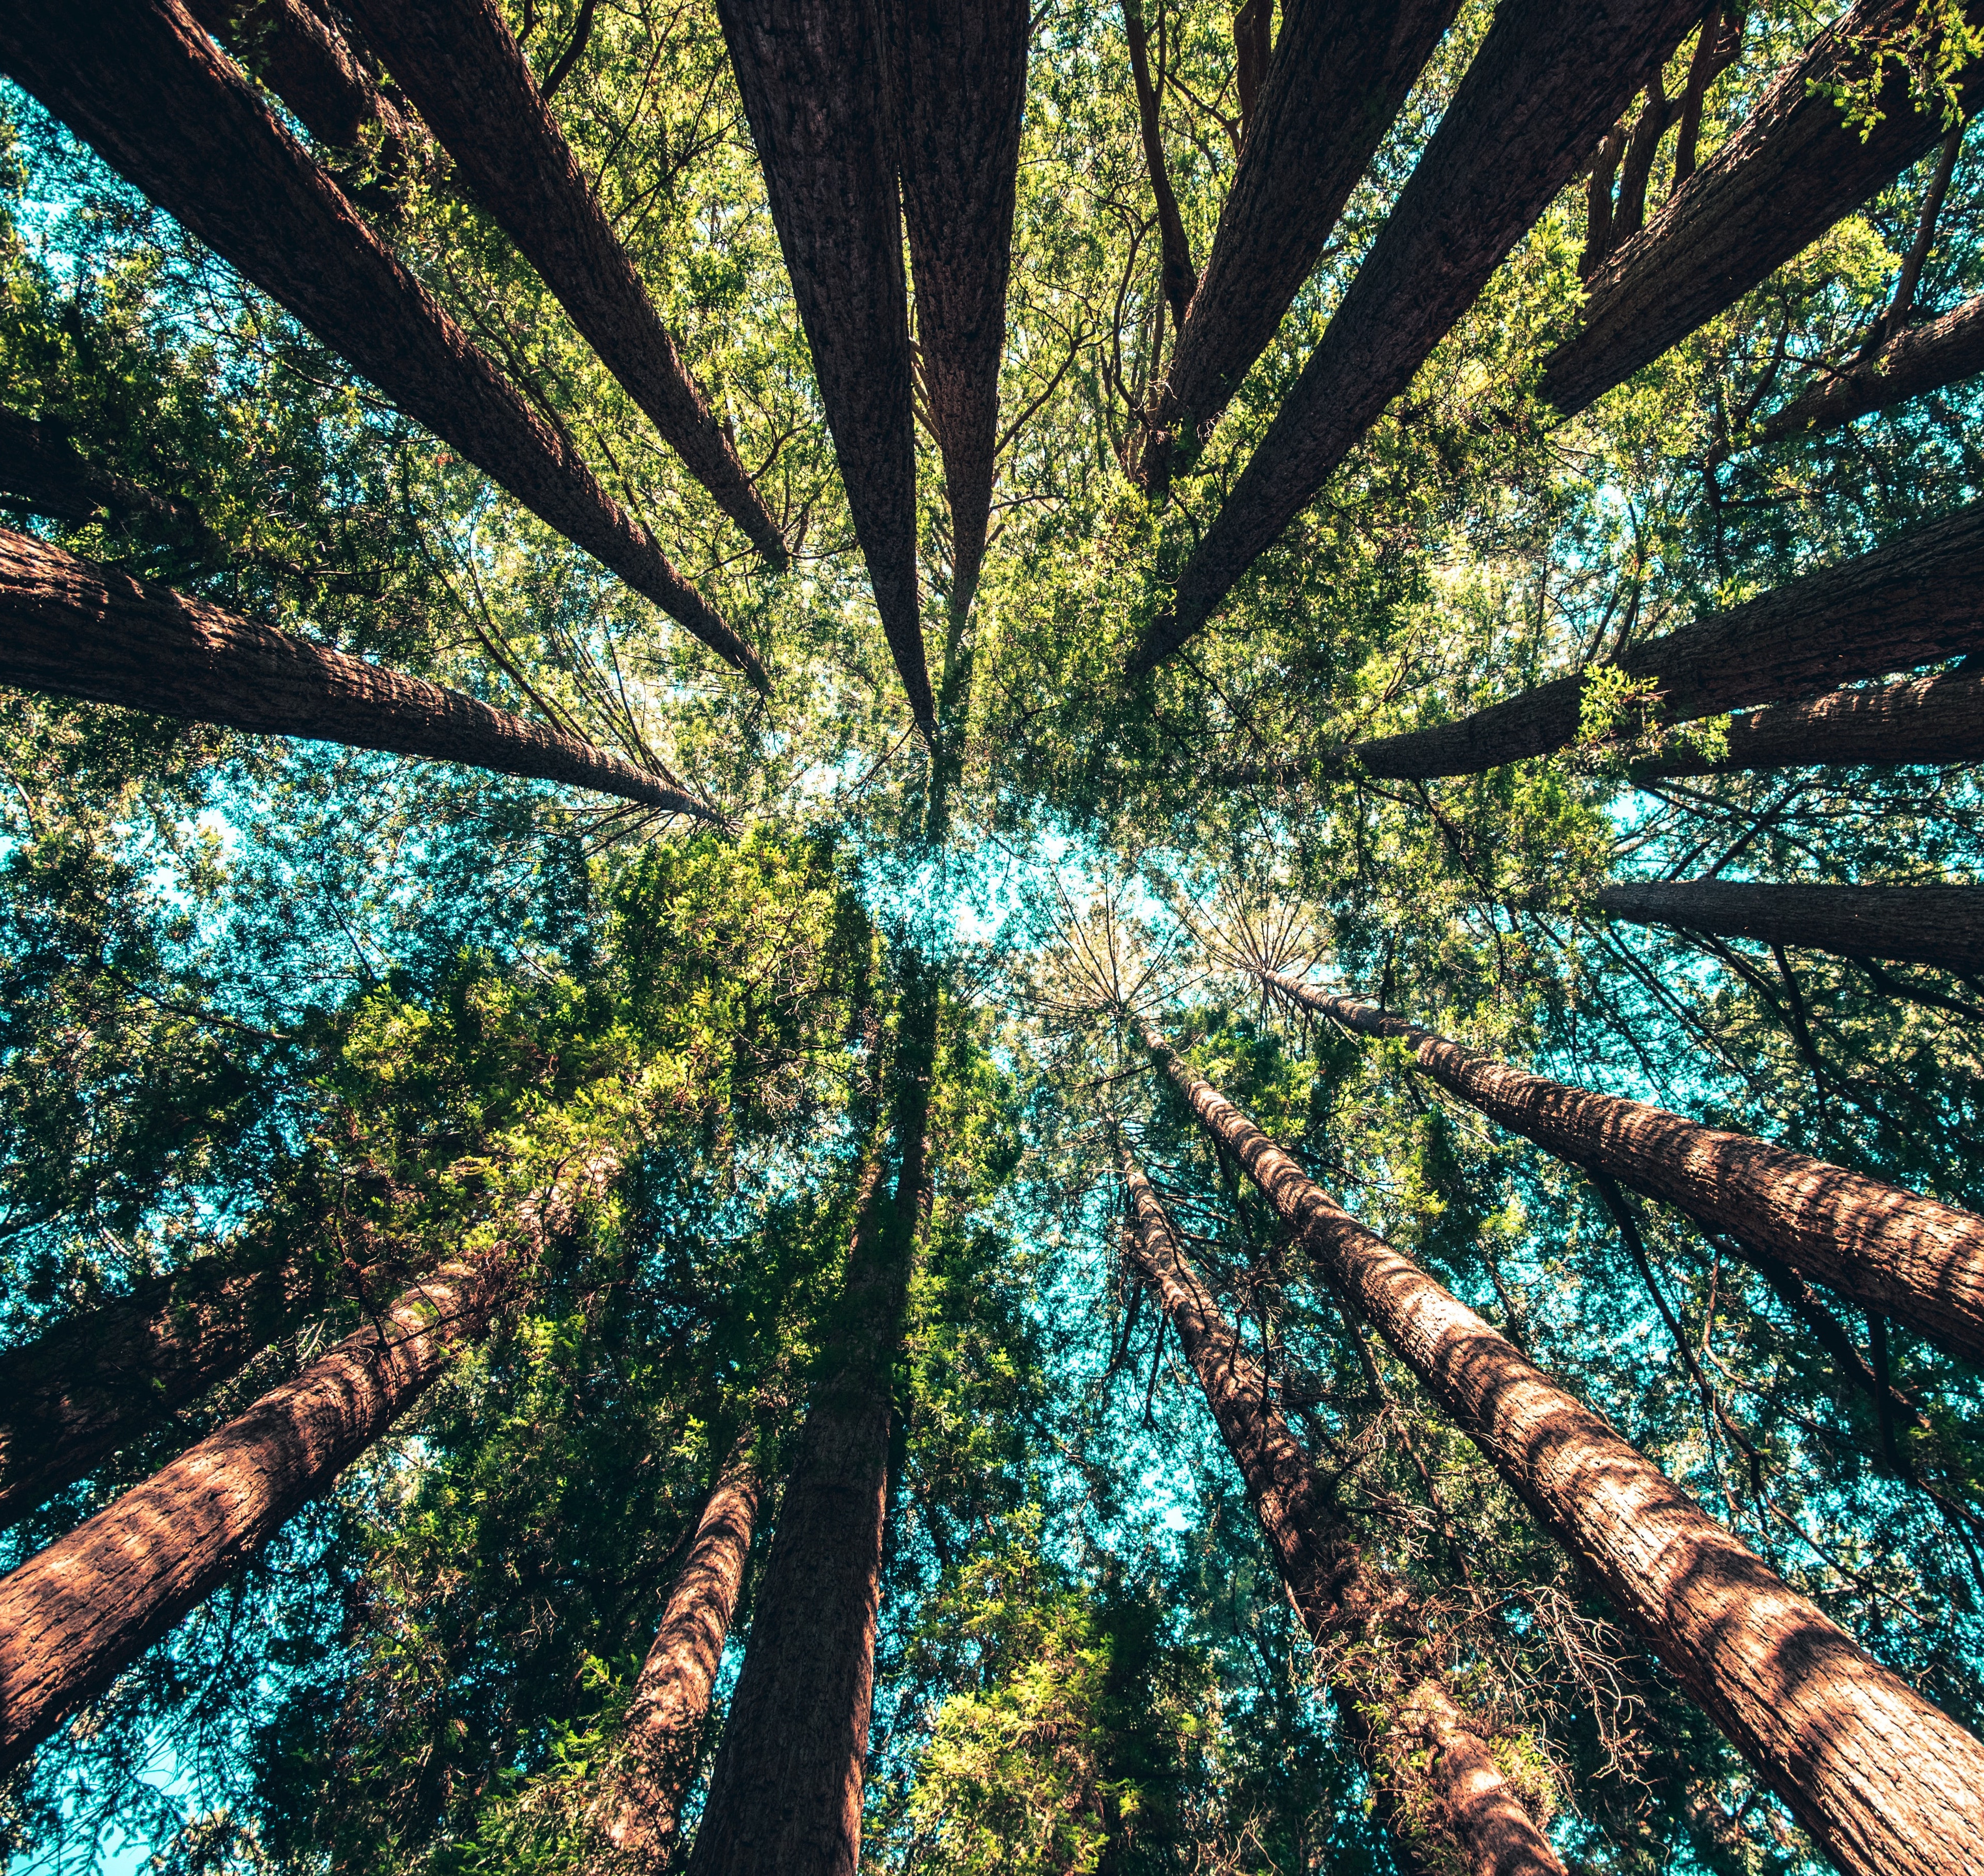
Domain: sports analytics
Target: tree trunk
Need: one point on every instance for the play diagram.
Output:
(81, 630)
(1917, 599)
(1889, 1250)
(1941, 925)
(1794, 169)
(671, 1704)
(1887, 1784)
(141, 82)
(1178, 277)
(468, 77)
(1389, 1691)
(958, 72)
(76, 1615)
(1339, 72)
(811, 75)
(49, 475)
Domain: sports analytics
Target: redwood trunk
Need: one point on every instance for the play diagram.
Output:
(1793, 170)
(81, 630)
(1889, 1250)
(671, 1704)
(1389, 1697)
(1941, 925)
(1917, 599)
(50, 476)
(76, 1615)
(811, 75)
(142, 83)
(1922, 358)
(1549, 78)
(467, 78)
(1887, 1784)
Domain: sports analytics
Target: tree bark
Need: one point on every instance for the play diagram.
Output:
(142, 84)
(1941, 925)
(81, 630)
(1793, 170)
(1887, 1784)
(76, 1615)
(811, 75)
(49, 475)
(1550, 75)
(1178, 277)
(1889, 1250)
(1917, 599)
(1390, 1694)
(671, 1704)
(468, 78)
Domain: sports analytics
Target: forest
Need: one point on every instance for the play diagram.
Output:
(965, 938)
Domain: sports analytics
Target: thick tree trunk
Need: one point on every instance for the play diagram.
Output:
(1340, 73)
(1887, 1784)
(671, 1704)
(1918, 359)
(140, 81)
(1794, 169)
(811, 75)
(76, 1615)
(468, 77)
(1372, 1629)
(958, 73)
(1891, 1251)
(1941, 925)
(1549, 78)
(1917, 599)
(49, 475)
(81, 630)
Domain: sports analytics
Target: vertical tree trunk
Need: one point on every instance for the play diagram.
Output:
(670, 1703)
(1389, 1692)
(1916, 360)
(1179, 279)
(1887, 1784)
(140, 81)
(81, 630)
(811, 75)
(468, 77)
(1549, 78)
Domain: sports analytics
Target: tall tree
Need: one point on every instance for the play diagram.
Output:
(43, 472)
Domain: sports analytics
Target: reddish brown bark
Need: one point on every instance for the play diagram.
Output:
(1890, 1251)
(1916, 360)
(670, 1708)
(141, 82)
(81, 630)
(468, 77)
(1389, 1691)
(41, 467)
(1941, 925)
(811, 75)
(1549, 78)
(1792, 171)
(74, 1616)
(1887, 1784)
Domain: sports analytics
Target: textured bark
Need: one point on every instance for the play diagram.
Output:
(958, 72)
(1891, 1251)
(40, 466)
(141, 82)
(82, 630)
(1887, 1784)
(76, 1615)
(1941, 925)
(468, 79)
(1375, 1633)
(1791, 170)
(1919, 599)
(811, 75)
(670, 1703)
(1916, 360)
(1340, 73)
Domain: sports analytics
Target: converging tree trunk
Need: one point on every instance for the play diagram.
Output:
(1176, 273)
(1794, 168)
(1890, 1251)
(80, 631)
(811, 75)
(1549, 78)
(1919, 924)
(1916, 360)
(468, 78)
(1887, 1784)
(47, 475)
(1443, 1794)
(142, 84)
